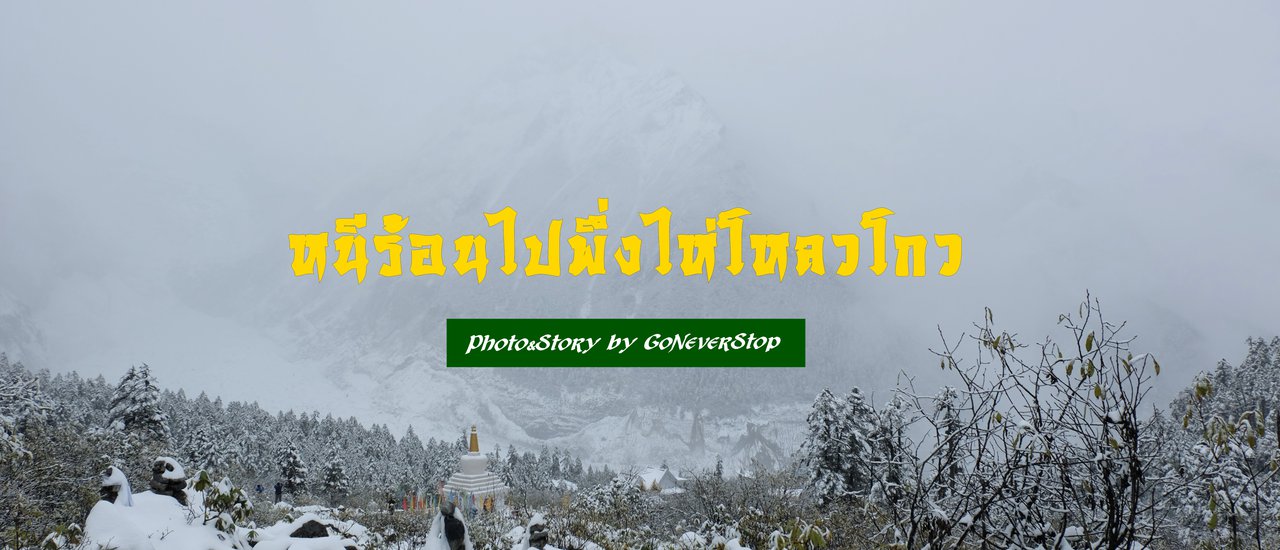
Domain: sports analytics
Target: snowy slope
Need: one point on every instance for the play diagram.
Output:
(19, 336)
(547, 140)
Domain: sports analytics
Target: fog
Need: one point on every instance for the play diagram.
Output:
(1131, 150)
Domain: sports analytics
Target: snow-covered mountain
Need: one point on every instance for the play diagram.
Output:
(20, 338)
(548, 140)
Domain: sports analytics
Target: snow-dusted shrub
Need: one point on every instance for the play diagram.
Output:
(47, 463)
(1233, 470)
(222, 504)
(1035, 446)
(799, 535)
(64, 537)
(619, 502)
(489, 531)
(398, 529)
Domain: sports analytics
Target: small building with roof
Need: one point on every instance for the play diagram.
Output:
(655, 479)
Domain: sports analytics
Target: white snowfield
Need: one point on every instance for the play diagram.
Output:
(154, 522)
(158, 522)
(276, 537)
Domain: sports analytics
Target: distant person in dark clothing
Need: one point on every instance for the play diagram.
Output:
(279, 491)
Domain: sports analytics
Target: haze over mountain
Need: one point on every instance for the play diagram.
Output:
(152, 189)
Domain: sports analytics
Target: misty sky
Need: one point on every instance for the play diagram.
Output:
(1132, 149)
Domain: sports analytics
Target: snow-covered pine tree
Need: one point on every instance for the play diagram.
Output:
(508, 468)
(442, 459)
(893, 456)
(463, 443)
(825, 448)
(859, 467)
(388, 474)
(20, 399)
(544, 459)
(529, 474)
(947, 421)
(293, 471)
(413, 456)
(538, 471)
(136, 414)
(135, 406)
(203, 450)
(334, 482)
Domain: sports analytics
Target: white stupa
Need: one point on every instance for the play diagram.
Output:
(474, 484)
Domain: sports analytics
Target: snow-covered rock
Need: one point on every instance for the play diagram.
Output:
(117, 483)
(154, 522)
(341, 534)
(172, 469)
(435, 537)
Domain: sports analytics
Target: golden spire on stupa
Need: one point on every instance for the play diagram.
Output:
(475, 440)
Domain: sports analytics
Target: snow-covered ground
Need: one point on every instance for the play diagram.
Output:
(149, 521)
